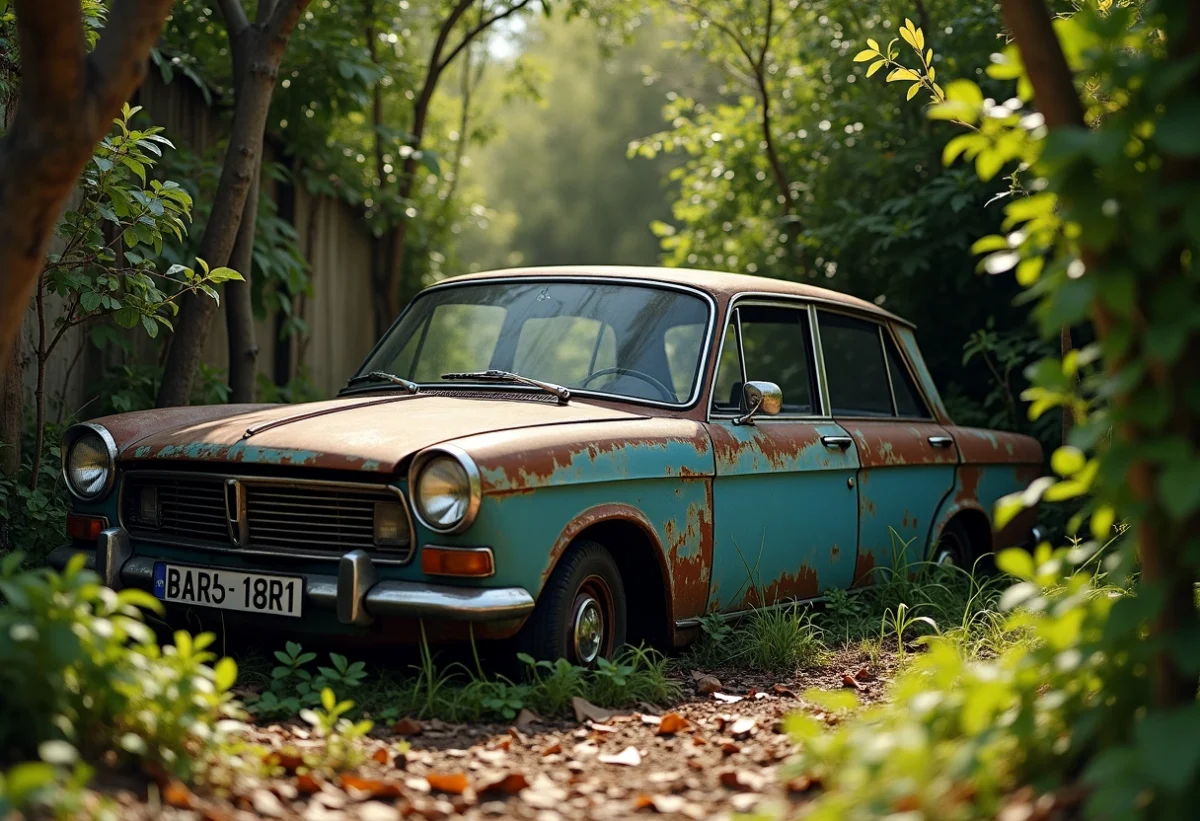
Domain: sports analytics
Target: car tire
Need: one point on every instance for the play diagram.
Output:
(953, 548)
(581, 612)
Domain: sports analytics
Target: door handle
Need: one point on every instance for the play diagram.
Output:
(941, 441)
(837, 442)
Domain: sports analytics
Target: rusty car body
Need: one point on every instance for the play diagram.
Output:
(691, 443)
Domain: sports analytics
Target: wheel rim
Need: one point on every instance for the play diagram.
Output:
(591, 621)
(948, 552)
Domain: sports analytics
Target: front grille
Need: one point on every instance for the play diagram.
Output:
(305, 517)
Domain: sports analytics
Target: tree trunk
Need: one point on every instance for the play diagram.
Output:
(12, 414)
(67, 104)
(239, 308)
(264, 45)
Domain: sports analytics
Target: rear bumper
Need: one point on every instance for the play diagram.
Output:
(354, 594)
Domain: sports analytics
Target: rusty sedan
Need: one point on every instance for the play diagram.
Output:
(572, 458)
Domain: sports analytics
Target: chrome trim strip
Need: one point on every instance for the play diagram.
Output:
(356, 575)
(474, 483)
(697, 388)
(72, 435)
(219, 480)
(112, 552)
(819, 353)
(903, 354)
(887, 369)
(420, 600)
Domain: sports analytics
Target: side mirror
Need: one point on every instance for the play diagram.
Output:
(761, 397)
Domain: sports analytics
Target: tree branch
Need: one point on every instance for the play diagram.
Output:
(766, 45)
(283, 19)
(479, 27)
(722, 26)
(235, 16)
(265, 7)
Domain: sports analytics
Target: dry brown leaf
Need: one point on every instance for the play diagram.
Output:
(553, 749)
(708, 684)
(864, 674)
(407, 726)
(672, 723)
(729, 748)
(698, 740)
(373, 787)
(381, 756)
(525, 718)
(851, 682)
(742, 780)
(629, 757)
(802, 784)
(782, 690)
(725, 698)
(307, 783)
(288, 758)
(503, 744)
(508, 784)
(452, 783)
(742, 727)
(177, 795)
(697, 675)
(696, 764)
(665, 804)
(586, 711)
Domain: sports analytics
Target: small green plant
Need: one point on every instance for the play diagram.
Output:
(781, 639)
(502, 698)
(554, 683)
(899, 621)
(292, 687)
(339, 733)
(636, 674)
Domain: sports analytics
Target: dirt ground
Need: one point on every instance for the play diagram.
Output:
(711, 755)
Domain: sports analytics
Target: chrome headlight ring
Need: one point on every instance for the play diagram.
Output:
(446, 500)
(101, 443)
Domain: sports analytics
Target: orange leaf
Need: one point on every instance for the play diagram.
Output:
(781, 690)
(553, 749)
(307, 783)
(452, 783)
(510, 784)
(373, 787)
(698, 740)
(864, 674)
(851, 682)
(287, 758)
(672, 723)
(729, 748)
(176, 794)
(407, 726)
(381, 756)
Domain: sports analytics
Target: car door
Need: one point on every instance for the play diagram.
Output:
(784, 499)
(906, 459)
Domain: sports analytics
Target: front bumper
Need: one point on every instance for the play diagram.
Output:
(355, 594)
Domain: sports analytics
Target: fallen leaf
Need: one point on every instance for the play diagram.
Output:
(407, 726)
(741, 780)
(698, 740)
(864, 674)
(265, 803)
(287, 758)
(452, 783)
(708, 684)
(553, 749)
(781, 690)
(725, 698)
(177, 795)
(372, 787)
(802, 784)
(648, 719)
(742, 727)
(504, 744)
(696, 764)
(665, 804)
(697, 675)
(525, 718)
(585, 710)
(307, 783)
(629, 757)
(729, 748)
(851, 682)
(381, 756)
(601, 728)
(509, 784)
(672, 723)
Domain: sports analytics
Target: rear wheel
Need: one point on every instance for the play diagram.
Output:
(954, 547)
(581, 613)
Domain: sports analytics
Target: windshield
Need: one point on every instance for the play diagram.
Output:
(633, 341)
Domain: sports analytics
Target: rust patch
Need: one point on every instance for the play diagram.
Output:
(798, 586)
(690, 575)
(980, 446)
(888, 443)
(864, 570)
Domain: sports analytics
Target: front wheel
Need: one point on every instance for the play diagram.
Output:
(581, 613)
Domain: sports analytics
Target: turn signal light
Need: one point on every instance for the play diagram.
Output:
(469, 562)
(85, 528)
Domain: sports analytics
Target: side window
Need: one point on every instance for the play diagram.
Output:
(854, 366)
(775, 346)
(683, 344)
(908, 398)
(727, 391)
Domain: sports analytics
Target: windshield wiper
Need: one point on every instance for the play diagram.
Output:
(562, 393)
(380, 376)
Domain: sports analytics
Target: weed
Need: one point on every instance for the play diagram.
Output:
(555, 683)
(781, 639)
(339, 733)
(898, 621)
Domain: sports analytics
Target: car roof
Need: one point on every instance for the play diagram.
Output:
(717, 283)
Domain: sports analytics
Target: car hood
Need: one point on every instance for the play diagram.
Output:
(374, 433)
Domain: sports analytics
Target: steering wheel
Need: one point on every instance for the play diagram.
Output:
(667, 394)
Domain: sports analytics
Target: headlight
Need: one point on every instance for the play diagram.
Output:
(89, 461)
(444, 484)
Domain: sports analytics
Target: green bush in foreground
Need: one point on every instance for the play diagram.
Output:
(82, 675)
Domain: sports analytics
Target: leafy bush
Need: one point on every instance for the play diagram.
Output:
(83, 676)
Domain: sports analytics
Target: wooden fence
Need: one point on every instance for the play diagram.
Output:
(331, 236)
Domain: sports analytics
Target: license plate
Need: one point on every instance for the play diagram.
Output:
(228, 589)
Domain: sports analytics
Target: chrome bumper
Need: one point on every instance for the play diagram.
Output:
(354, 593)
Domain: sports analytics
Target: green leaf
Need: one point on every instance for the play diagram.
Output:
(1016, 562)
(1067, 461)
(225, 674)
(328, 700)
(218, 275)
(127, 317)
(1168, 744)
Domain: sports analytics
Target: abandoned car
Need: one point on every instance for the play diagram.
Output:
(569, 457)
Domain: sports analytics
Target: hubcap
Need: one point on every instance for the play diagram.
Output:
(945, 557)
(589, 629)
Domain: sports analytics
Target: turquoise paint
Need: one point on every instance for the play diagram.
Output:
(141, 452)
(903, 499)
(994, 482)
(629, 461)
(774, 516)
(240, 452)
